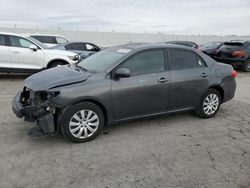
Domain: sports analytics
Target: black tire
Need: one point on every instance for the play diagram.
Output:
(68, 116)
(200, 111)
(55, 64)
(246, 66)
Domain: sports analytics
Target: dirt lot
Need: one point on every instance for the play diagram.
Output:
(173, 151)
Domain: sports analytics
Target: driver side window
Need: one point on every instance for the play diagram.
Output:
(146, 62)
(16, 41)
(75, 46)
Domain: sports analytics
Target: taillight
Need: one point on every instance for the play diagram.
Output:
(234, 73)
(239, 53)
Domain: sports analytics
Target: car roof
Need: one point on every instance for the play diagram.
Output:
(70, 42)
(27, 35)
(43, 34)
(181, 41)
(139, 46)
(240, 41)
(14, 34)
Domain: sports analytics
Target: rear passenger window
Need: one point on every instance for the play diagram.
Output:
(90, 47)
(182, 59)
(2, 40)
(16, 41)
(200, 62)
(146, 62)
(248, 46)
(37, 38)
(60, 40)
(46, 39)
(76, 46)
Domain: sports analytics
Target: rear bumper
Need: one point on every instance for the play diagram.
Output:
(229, 88)
(44, 120)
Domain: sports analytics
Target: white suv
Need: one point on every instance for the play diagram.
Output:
(25, 54)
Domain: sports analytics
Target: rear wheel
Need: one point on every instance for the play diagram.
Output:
(209, 104)
(82, 122)
(55, 64)
(246, 66)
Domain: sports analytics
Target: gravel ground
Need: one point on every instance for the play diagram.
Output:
(179, 150)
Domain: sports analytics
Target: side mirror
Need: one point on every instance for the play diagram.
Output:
(78, 58)
(122, 72)
(33, 47)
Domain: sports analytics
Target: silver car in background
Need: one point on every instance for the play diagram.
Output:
(83, 49)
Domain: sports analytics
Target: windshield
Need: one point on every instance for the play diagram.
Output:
(103, 59)
(211, 45)
(38, 43)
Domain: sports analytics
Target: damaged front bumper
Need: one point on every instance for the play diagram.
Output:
(43, 114)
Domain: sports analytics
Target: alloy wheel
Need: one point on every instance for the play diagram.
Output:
(211, 104)
(84, 124)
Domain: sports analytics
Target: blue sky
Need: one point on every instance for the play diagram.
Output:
(219, 17)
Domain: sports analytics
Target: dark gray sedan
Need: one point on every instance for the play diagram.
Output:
(122, 83)
(84, 49)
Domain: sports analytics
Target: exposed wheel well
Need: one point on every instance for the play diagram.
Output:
(57, 60)
(220, 90)
(61, 112)
(100, 105)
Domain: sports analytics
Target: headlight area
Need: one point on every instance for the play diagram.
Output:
(44, 102)
(38, 106)
(74, 58)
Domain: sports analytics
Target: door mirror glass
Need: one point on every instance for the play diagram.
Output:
(122, 72)
(33, 47)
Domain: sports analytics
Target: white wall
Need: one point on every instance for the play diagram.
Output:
(115, 38)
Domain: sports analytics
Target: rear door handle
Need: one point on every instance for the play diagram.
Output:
(204, 75)
(15, 52)
(162, 80)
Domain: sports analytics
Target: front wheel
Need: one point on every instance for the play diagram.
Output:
(82, 122)
(209, 104)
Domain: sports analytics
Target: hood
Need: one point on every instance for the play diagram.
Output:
(60, 52)
(56, 77)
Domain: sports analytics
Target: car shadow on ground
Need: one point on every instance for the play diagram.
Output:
(126, 126)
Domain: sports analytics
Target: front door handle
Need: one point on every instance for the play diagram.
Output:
(15, 52)
(162, 80)
(204, 75)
